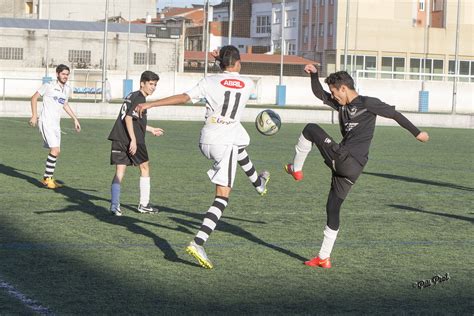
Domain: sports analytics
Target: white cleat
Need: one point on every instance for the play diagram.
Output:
(199, 253)
(264, 178)
(115, 209)
(147, 209)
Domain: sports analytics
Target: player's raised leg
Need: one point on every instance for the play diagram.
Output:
(259, 181)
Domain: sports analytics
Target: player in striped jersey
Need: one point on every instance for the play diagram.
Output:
(223, 138)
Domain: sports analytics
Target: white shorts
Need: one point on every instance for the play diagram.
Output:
(51, 135)
(225, 163)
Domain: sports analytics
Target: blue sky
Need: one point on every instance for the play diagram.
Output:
(183, 3)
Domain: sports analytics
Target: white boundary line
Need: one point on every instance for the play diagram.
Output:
(31, 304)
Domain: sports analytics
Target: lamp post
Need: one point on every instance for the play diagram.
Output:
(104, 51)
(46, 78)
(128, 83)
(231, 20)
(206, 28)
(128, 38)
(456, 61)
(346, 35)
(281, 89)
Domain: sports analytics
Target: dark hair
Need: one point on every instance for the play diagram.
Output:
(62, 67)
(228, 55)
(340, 78)
(149, 76)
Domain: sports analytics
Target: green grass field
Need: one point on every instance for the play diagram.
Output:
(408, 218)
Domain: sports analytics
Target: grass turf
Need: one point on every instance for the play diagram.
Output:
(408, 218)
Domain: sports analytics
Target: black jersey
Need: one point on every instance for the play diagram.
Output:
(119, 131)
(357, 119)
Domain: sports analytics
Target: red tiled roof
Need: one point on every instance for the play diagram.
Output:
(255, 58)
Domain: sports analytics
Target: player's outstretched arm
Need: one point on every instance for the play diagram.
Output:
(423, 137)
(34, 109)
(172, 100)
(156, 131)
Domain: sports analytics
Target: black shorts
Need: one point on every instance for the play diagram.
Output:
(345, 168)
(119, 154)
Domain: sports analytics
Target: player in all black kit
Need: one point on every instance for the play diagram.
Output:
(357, 115)
(128, 144)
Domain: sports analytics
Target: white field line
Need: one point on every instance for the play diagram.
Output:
(31, 304)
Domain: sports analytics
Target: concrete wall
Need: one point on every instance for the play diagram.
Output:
(196, 113)
(401, 93)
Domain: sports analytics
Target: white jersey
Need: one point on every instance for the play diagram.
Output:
(226, 96)
(55, 96)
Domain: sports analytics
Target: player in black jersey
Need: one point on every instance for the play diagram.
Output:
(128, 144)
(357, 115)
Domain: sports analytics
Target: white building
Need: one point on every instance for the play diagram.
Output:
(266, 25)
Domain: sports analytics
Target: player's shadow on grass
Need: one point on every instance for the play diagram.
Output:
(413, 209)
(14, 173)
(224, 226)
(421, 181)
(82, 202)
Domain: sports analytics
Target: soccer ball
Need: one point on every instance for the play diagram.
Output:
(268, 122)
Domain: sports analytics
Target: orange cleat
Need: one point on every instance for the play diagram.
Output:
(297, 175)
(318, 262)
(50, 183)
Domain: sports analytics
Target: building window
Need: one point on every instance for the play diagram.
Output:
(426, 66)
(290, 22)
(276, 46)
(263, 24)
(79, 56)
(421, 5)
(393, 64)
(306, 5)
(305, 34)
(355, 63)
(11, 53)
(466, 68)
(330, 29)
(321, 2)
(140, 59)
(331, 2)
(277, 17)
(321, 29)
(291, 48)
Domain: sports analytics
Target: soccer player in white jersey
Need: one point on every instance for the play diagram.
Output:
(55, 97)
(223, 138)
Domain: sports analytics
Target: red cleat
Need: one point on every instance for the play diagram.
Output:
(297, 175)
(318, 262)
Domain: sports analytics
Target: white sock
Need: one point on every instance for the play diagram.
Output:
(115, 191)
(328, 242)
(302, 149)
(144, 190)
